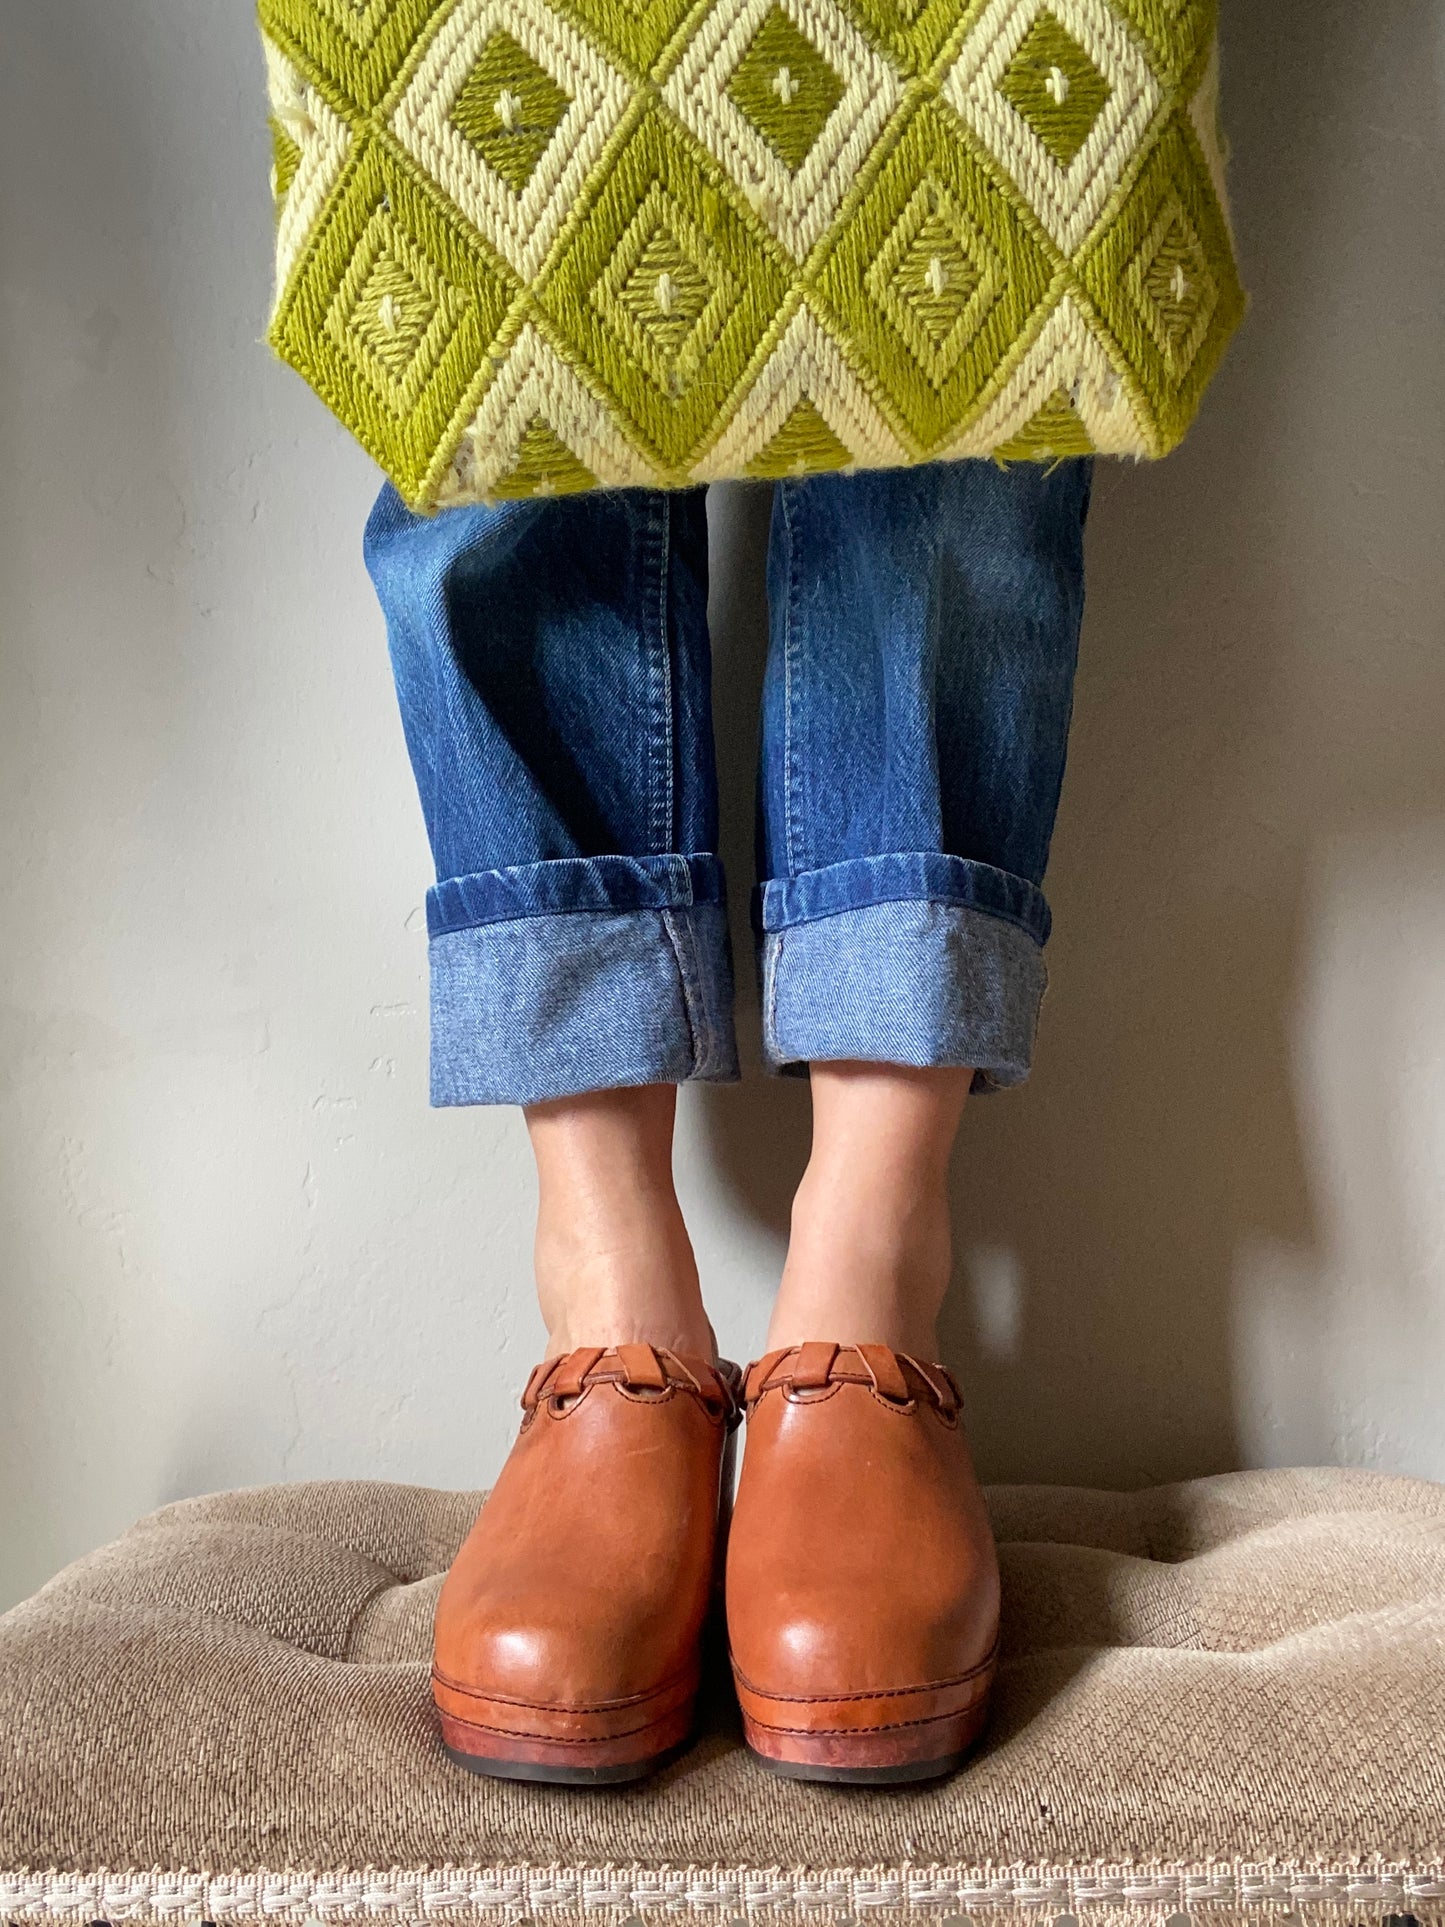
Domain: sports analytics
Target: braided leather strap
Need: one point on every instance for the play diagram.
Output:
(636, 1368)
(896, 1376)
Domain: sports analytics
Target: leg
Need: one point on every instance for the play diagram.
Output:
(871, 1248)
(551, 660)
(920, 688)
(552, 664)
(918, 702)
(615, 1265)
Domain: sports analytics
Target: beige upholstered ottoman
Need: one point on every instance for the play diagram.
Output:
(1225, 1699)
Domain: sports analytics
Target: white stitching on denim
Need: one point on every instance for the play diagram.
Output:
(662, 805)
(789, 762)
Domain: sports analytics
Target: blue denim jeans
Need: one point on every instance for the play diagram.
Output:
(553, 667)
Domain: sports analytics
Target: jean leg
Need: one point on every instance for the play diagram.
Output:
(552, 665)
(916, 712)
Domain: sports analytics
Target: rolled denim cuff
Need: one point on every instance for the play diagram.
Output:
(916, 959)
(582, 974)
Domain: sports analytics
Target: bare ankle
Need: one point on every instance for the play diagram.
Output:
(629, 1292)
(614, 1263)
(621, 1275)
(864, 1269)
(871, 1247)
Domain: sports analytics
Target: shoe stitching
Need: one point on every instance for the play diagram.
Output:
(439, 1678)
(877, 1693)
(646, 1395)
(862, 1732)
(820, 1396)
(554, 1739)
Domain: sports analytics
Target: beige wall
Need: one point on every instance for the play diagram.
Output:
(235, 1245)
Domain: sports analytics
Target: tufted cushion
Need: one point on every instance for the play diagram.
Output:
(1224, 1697)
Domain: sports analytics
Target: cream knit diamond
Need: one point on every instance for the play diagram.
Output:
(1067, 357)
(521, 224)
(323, 143)
(1067, 199)
(806, 366)
(535, 384)
(797, 206)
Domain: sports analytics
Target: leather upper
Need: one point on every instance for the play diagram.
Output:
(585, 1582)
(633, 1368)
(895, 1376)
(861, 1567)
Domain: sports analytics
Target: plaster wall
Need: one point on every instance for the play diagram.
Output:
(234, 1243)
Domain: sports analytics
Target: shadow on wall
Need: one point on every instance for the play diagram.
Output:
(1254, 688)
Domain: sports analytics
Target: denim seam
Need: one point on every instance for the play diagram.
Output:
(1078, 625)
(902, 896)
(932, 671)
(903, 877)
(694, 1004)
(671, 880)
(791, 811)
(660, 797)
(449, 689)
(772, 957)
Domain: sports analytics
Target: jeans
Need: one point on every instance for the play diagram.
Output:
(553, 668)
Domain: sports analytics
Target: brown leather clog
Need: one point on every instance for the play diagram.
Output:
(862, 1582)
(568, 1632)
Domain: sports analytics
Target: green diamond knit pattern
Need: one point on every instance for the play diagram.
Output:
(533, 246)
